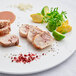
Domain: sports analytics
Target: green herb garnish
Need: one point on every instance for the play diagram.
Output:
(54, 19)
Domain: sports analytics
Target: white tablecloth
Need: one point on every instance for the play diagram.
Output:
(67, 68)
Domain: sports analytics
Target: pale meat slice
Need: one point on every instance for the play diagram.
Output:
(33, 32)
(23, 30)
(9, 40)
(43, 40)
(4, 23)
(5, 30)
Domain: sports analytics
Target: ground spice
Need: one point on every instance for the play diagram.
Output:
(26, 58)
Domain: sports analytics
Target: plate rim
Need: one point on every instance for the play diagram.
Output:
(39, 71)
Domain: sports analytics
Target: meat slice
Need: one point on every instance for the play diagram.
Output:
(33, 32)
(43, 40)
(23, 30)
(4, 23)
(5, 30)
(9, 40)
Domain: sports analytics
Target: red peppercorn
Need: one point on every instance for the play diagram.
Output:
(14, 57)
(12, 60)
(36, 56)
(11, 57)
(33, 58)
(42, 53)
(26, 58)
(25, 55)
(33, 54)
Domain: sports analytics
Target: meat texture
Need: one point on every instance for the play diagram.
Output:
(9, 40)
(4, 23)
(42, 40)
(5, 30)
(33, 32)
(4, 27)
(23, 30)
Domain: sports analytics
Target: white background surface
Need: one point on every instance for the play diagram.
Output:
(68, 68)
(65, 69)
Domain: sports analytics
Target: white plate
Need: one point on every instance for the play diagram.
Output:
(66, 47)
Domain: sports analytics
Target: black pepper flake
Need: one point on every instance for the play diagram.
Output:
(56, 42)
(53, 55)
(48, 50)
(10, 53)
(4, 56)
(56, 45)
(57, 52)
(17, 25)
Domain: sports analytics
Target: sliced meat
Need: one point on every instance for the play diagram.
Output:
(23, 30)
(9, 40)
(33, 32)
(4, 23)
(42, 40)
(5, 30)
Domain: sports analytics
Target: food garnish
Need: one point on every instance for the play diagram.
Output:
(45, 10)
(64, 28)
(38, 18)
(55, 20)
(25, 58)
(58, 36)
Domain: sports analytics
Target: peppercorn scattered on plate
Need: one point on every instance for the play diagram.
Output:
(31, 54)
